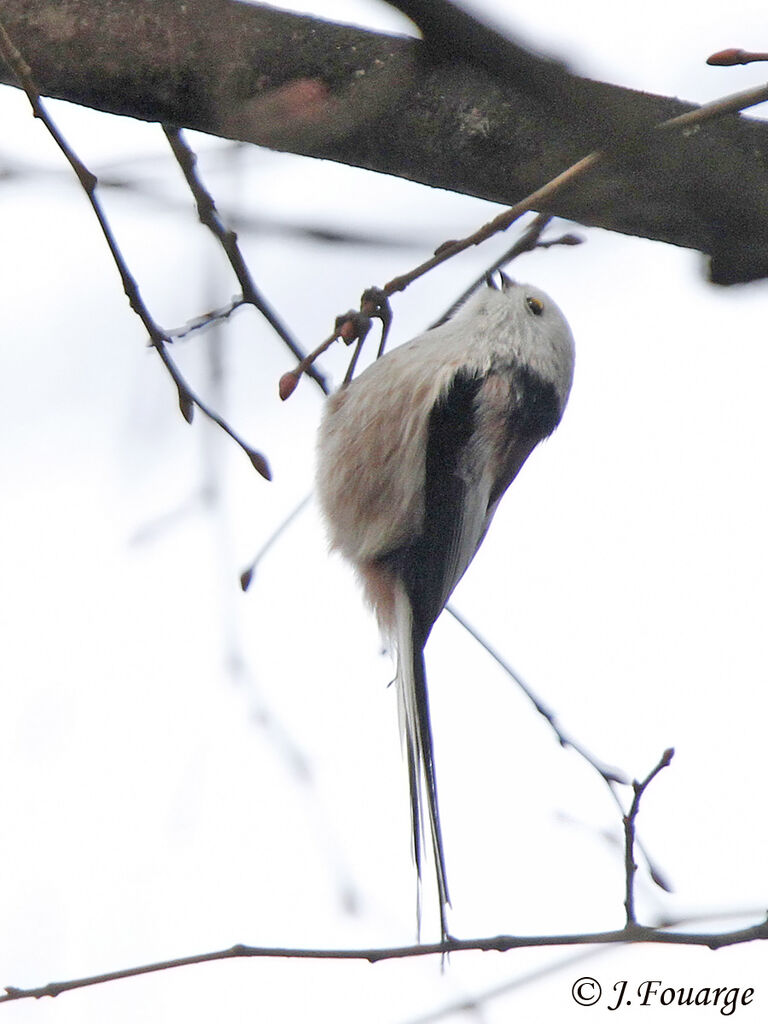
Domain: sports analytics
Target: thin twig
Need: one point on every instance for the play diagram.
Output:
(537, 198)
(209, 216)
(611, 776)
(23, 73)
(159, 339)
(500, 943)
(188, 399)
(629, 835)
(527, 242)
(469, 1003)
(499, 223)
(246, 576)
(206, 320)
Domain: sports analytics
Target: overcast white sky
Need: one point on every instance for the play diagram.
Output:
(158, 802)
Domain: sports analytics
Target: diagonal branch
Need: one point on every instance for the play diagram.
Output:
(209, 216)
(612, 777)
(158, 338)
(347, 325)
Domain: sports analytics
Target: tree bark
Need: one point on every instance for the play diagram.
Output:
(387, 103)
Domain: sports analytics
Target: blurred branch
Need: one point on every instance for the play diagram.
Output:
(450, 112)
(451, 34)
(118, 177)
(500, 943)
(158, 338)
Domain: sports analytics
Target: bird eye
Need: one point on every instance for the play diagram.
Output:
(536, 306)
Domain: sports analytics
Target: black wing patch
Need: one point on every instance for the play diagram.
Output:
(532, 414)
(534, 408)
(421, 565)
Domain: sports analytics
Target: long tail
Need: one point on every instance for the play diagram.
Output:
(416, 733)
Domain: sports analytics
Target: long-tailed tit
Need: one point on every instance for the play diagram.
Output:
(413, 458)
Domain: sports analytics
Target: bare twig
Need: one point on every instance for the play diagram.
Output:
(246, 576)
(535, 200)
(206, 320)
(611, 776)
(188, 400)
(527, 242)
(629, 835)
(23, 73)
(500, 943)
(159, 339)
(209, 216)
(476, 1002)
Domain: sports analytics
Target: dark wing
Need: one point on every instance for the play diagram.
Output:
(532, 413)
(454, 511)
(480, 433)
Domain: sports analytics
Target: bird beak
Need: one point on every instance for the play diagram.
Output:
(506, 282)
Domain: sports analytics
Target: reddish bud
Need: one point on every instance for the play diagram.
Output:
(347, 326)
(726, 58)
(187, 406)
(288, 384)
(348, 331)
(259, 463)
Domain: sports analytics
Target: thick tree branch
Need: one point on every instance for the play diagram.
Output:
(371, 100)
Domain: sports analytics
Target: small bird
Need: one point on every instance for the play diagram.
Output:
(414, 456)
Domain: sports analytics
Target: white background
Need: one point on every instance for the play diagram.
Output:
(183, 766)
